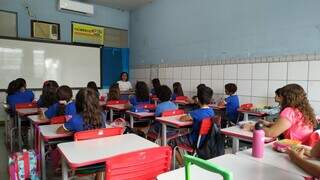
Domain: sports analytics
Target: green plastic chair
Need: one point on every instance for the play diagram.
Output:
(227, 175)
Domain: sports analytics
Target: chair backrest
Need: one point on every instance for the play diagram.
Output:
(207, 165)
(58, 119)
(148, 106)
(26, 105)
(102, 98)
(314, 138)
(246, 106)
(97, 133)
(114, 102)
(206, 125)
(145, 164)
(182, 98)
(173, 112)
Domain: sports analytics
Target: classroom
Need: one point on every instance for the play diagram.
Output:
(159, 89)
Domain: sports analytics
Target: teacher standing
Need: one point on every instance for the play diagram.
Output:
(124, 84)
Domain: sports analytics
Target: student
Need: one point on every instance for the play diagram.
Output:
(92, 85)
(298, 158)
(88, 116)
(49, 94)
(204, 95)
(296, 120)
(164, 95)
(177, 90)
(114, 92)
(141, 94)
(156, 85)
(124, 83)
(19, 93)
(64, 106)
(231, 103)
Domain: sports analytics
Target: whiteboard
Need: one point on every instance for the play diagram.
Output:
(37, 62)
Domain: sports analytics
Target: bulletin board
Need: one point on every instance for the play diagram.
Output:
(8, 24)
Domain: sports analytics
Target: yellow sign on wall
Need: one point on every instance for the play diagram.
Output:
(83, 33)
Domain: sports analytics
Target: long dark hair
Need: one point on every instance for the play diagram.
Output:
(64, 93)
(142, 91)
(21, 83)
(92, 85)
(156, 85)
(87, 104)
(114, 92)
(49, 93)
(125, 74)
(293, 95)
(12, 88)
(177, 89)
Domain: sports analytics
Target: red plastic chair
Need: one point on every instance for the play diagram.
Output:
(145, 164)
(206, 125)
(173, 112)
(182, 98)
(246, 106)
(148, 106)
(58, 120)
(114, 102)
(97, 133)
(102, 98)
(313, 139)
(26, 105)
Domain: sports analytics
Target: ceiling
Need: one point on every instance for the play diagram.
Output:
(121, 4)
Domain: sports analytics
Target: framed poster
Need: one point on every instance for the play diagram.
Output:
(45, 30)
(87, 33)
(8, 24)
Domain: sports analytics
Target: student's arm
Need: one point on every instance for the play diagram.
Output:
(186, 118)
(277, 128)
(315, 151)
(296, 156)
(61, 130)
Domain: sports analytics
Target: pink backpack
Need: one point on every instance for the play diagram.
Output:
(23, 165)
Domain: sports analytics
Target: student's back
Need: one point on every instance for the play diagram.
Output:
(232, 102)
(20, 94)
(165, 104)
(49, 94)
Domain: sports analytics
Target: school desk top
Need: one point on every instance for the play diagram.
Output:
(118, 107)
(242, 169)
(36, 120)
(279, 160)
(237, 132)
(102, 103)
(181, 102)
(217, 107)
(50, 132)
(88, 152)
(251, 112)
(140, 115)
(174, 120)
(29, 111)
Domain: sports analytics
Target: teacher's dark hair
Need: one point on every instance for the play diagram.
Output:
(123, 74)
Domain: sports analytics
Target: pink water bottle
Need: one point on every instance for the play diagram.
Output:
(258, 141)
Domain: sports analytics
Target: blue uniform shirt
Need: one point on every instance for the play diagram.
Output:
(26, 96)
(232, 107)
(52, 111)
(76, 123)
(135, 101)
(165, 106)
(197, 116)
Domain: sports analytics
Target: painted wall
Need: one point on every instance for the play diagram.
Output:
(46, 10)
(181, 31)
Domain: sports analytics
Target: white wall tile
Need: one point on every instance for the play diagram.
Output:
(195, 72)
(217, 71)
(185, 85)
(244, 99)
(313, 90)
(162, 73)
(244, 71)
(169, 73)
(274, 85)
(260, 71)
(148, 73)
(271, 102)
(140, 73)
(218, 86)
(260, 88)
(226, 81)
(153, 73)
(194, 84)
(259, 101)
(298, 70)
(207, 83)
(303, 84)
(177, 73)
(314, 70)
(278, 71)
(206, 72)
(244, 87)
(186, 72)
(316, 107)
(230, 71)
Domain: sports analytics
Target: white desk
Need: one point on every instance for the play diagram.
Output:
(139, 116)
(246, 114)
(117, 107)
(242, 169)
(35, 121)
(239, 134)
(47, 133)
(82, 153)
(173, 121)
(279, 160)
